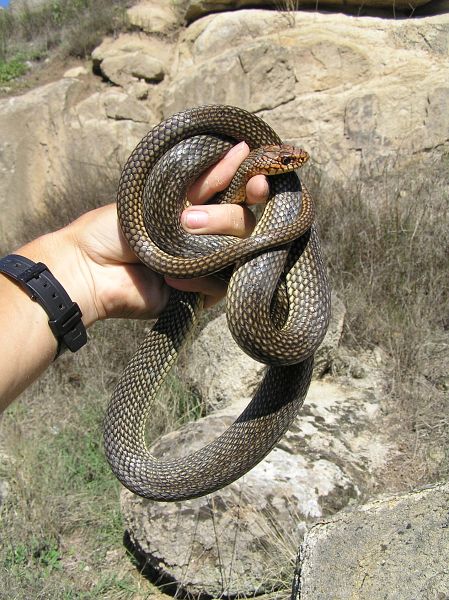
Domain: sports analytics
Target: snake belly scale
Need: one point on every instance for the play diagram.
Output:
(278, 301)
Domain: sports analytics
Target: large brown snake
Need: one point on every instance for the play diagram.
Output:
(278, 300)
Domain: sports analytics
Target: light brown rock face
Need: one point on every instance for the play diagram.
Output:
(31, 126)
(131, 57)
(153, 17)
(362, 95)
(393, 548)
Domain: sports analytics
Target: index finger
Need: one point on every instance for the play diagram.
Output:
(219, 176)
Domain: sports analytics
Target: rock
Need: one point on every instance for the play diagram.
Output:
(32, 125)
(153, 18)
(139, 90)
(48, 132)
(216, 368)
(4, 491)
(76, 72)
(356, 112)
(120, 106)
(126, 68)
(194, 9)
(394, 547)
(326, 353)
(219, 372)
(328, 459)
(130, 57)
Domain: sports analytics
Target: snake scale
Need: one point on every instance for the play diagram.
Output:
(278, 300)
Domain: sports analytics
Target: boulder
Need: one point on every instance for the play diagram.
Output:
(151, 17)
(395, 547)
(131, 57)
(327, 460)
(228, 373)
(48, 132)
(363, 96)
(76, 72)
(33, 127)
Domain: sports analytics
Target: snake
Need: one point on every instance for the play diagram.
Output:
(277, 303)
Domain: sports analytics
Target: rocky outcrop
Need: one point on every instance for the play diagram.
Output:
(152, 17)
(395, 547)
(328, 459)
(362, 95)
(132, 57)
(54, 131)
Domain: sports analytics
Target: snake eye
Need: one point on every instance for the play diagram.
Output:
(286, 160)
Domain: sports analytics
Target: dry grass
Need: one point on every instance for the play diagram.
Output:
(387, 249)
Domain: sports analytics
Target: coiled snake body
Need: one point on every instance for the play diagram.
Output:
(277, 304)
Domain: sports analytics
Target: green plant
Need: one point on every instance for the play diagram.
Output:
(12, 69)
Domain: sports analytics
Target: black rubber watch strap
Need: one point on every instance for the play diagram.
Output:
(41, 286)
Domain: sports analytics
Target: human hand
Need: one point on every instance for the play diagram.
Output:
(93, 261)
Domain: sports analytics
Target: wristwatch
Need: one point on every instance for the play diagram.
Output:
(64, 316)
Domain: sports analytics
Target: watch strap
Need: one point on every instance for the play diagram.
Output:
(64, 316)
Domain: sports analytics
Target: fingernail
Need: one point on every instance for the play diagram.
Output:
(195, 219)
(236, 149)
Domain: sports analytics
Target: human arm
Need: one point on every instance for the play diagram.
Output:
(93, 262)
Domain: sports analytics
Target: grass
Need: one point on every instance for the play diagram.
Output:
(387, 253)
(61, 522)
(65, 27)
(11, 69)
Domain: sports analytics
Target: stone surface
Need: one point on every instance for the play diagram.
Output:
(361, 95)
(50, 131)
(126, 68)
(31, 125)
(130, 57)
(393, 548)
(227, 373)
(153, 17)
(76, 72)
(328, 459)
(119, 106)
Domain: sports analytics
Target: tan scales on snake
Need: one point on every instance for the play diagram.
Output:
(278, 300)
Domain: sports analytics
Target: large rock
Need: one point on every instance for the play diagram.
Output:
(53, 132)
(362, 95)
(131, 57)
(152, 17)
(329, 458)
(31, 145)
(393, 548)
(228, 373)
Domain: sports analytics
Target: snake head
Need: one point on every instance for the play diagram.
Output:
(272, 160)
